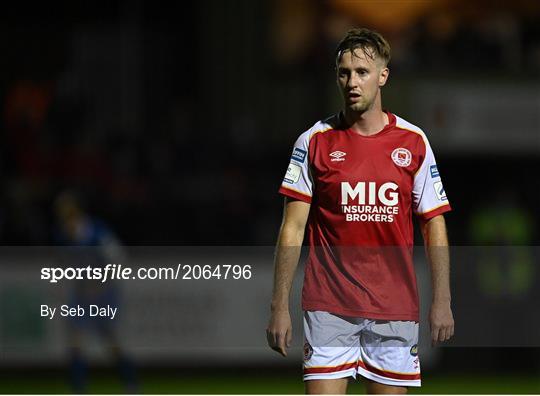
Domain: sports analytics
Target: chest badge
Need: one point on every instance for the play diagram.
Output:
(401, 157)
(337, 156)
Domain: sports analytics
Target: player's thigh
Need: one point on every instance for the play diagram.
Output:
(336, 386)
(389, 354)
(376, 388)
(331, 347)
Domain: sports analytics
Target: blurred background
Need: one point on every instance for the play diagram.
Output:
(175, 123)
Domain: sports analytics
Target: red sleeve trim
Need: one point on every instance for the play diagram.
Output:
(435, 211)
(294, 194)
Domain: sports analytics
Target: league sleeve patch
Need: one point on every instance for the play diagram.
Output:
(434, 171)
(299, 155)
(293, 173)
(439, 190)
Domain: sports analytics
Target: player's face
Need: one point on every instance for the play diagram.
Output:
(359, 78)
(68, 217)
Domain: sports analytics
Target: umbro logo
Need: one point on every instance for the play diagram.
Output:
(337, 156)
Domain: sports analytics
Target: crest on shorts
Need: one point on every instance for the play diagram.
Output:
(401, 157)
(308, 351)
(414, 350)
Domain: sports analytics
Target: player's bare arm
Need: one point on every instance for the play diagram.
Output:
(291, 236)
(436, 243)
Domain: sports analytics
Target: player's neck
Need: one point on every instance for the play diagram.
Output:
(368, 122)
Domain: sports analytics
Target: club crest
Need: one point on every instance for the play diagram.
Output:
(401, 157)
(308, 351)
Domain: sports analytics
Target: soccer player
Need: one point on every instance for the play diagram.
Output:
(355, 179)
(88, 241)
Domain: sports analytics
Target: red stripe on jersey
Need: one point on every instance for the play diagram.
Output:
(294, 194)
(333, 369)
(389, 374)
(435, 212)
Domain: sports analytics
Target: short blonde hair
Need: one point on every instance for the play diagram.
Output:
(369, 41)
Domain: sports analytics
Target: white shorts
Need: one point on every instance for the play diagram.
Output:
(340, 346)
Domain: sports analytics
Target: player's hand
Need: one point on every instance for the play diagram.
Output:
(279, 332)
(441, 322)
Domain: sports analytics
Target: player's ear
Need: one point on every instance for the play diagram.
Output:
(383, 76)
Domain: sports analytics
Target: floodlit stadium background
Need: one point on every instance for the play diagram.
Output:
(175, 123)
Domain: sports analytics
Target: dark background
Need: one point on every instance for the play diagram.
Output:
(175, 121)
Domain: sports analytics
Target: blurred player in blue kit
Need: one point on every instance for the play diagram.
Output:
(89, 242)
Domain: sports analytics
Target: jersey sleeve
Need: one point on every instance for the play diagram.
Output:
(297, 182)
(429, 196)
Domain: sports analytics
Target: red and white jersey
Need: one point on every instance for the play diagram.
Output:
(363, 191)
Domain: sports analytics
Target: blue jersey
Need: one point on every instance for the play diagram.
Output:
(94, 245)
